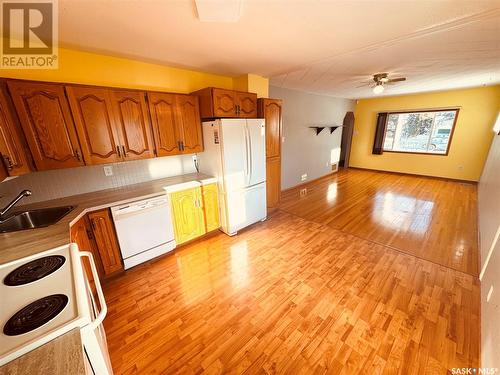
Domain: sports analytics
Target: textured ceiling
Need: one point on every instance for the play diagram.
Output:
(326, 47)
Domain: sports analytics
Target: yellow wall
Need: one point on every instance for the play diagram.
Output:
(252, 83)
(469, 147)
(102, 70)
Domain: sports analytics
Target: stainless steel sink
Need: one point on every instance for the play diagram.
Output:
(34, 218)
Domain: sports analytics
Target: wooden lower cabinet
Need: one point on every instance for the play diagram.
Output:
(273, 183)
(106, 241)
(210, 195)
(187, 215)
(81, 233)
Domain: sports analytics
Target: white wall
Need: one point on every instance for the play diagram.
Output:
(303, 151)
(65, 182)
(489, 229)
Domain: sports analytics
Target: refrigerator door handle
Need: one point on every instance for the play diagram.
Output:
(247, 153)
(250, 169)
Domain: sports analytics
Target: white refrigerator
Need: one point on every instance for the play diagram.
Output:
(235, 153)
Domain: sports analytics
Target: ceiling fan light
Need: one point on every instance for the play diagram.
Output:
(379, 89)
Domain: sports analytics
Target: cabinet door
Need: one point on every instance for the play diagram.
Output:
(271, 111)
(93, 113)
(12, 150)
(224, 103)
(132, 118)
(188, 215)
(273, 183)
(247, 104)
(81, 234)
(106, 241)
(189, 117)
(47, 123)
(166, 131)
(211, 206)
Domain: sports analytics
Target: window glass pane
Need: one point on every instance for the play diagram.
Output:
(419, 131)
(392, 121)
(443, 124)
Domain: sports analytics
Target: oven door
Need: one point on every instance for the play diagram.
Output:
(93, 334)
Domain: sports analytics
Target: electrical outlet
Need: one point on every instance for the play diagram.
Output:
(303, 177)
(108, 170)
(303, 192)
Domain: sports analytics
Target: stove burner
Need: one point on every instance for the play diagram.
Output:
(35, 315)
(34, 270)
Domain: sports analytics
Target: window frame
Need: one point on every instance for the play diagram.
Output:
(455, 109)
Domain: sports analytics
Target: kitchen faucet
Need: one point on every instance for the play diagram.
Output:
(22, 194)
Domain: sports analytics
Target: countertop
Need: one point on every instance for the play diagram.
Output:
(16, 245)
(61, 356)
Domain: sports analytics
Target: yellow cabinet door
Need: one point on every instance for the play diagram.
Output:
(188, 214)
(211, 206)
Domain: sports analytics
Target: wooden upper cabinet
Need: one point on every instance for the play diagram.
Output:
(13, 150)
(220, 103)
(189, 119)
(176, 123)
(106, 241)
(47, 123)
(132, 118)
(93, 113)
(271, 111)
(246, 104)
(224, 103)
(163, 109)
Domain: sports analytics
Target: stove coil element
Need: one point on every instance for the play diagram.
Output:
(34, 270)
(35, 315)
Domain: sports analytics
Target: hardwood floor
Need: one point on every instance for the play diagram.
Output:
(430, 218)
(290, 295)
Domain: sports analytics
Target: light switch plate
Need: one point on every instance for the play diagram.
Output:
(108, 170)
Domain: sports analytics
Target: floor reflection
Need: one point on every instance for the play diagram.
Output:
(239, 264)
(402, 212)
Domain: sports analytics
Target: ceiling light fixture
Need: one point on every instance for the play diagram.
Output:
(378, 89)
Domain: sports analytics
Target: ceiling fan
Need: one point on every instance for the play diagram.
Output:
(381, 79)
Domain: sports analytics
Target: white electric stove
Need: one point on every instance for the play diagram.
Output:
(46, 295)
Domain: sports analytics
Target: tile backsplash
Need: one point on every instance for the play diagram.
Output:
(66, 182)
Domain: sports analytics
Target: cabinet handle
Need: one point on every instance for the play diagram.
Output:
(182, 145)
(90, 235)
(118, 151)
(124, 151)
(92, 222)
(179, 145)
(10, 166)
(77, 155)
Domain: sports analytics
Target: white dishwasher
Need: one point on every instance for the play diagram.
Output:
(144, 229)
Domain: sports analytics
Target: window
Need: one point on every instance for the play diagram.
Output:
(426, 132)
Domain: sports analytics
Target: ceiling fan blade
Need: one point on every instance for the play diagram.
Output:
(397, 79)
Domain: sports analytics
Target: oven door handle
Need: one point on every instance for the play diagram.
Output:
(102, 302)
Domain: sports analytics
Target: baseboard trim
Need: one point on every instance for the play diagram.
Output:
(416, 174)
(309, 182)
